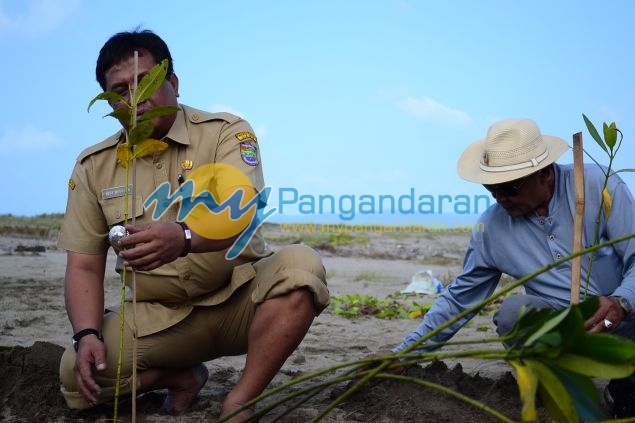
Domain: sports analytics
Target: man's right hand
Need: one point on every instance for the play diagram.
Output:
(91, 357)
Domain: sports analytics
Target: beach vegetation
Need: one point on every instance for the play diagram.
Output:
(371, 276)
(440, 259)
(41, 226)
(394, 306)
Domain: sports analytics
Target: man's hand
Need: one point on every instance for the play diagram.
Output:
(91, 357)
(607, 318)
(150, 246)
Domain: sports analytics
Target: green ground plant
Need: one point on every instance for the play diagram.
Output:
(394, 306)
(610, 144)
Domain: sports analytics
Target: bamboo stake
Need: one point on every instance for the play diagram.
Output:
(134, 279)
(578, 219)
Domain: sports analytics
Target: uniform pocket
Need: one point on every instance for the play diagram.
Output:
(114, 210)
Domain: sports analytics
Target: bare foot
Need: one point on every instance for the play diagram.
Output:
(191, 382)
(230, 406)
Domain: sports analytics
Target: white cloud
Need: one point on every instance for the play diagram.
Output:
(35, 17)
(429, 109)
(29, 139)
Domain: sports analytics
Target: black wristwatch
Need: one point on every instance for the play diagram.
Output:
(188, 239)
(82, 333)
(625, 304)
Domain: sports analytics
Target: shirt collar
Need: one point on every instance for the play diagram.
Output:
(178, 131)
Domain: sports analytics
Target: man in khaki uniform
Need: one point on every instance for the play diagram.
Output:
(193, 303)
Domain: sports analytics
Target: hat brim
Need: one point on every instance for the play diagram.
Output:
(469, 168)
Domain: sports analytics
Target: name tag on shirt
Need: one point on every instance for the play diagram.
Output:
(115, 192)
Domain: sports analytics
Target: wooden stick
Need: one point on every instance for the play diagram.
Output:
(578, 219)
(134, 274)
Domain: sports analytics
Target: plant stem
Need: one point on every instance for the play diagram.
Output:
(598, 221)
(123, 297)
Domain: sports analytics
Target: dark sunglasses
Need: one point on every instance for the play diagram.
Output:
(509, 189)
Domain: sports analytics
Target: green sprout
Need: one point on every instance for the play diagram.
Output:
(137, 130)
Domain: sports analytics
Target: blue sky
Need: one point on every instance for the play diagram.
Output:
(346, 97)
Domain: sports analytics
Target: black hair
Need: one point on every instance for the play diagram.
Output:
(123, 44)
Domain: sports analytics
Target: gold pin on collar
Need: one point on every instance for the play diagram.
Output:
(187, 165)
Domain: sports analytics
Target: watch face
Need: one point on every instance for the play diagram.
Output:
(626, 304)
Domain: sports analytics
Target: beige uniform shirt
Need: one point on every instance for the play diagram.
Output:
(95, 203)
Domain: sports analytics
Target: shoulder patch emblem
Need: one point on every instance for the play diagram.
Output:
(246, 135)
(248, 152)
(71, 184)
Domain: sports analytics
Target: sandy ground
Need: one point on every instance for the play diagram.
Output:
(32, 316)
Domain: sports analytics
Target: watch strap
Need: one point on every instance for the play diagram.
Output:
(85, 332)
(188, 239)
(625, 304)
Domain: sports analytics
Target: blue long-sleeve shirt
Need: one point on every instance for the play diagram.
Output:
(522, 245)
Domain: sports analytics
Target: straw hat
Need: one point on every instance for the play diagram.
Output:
(513, 148)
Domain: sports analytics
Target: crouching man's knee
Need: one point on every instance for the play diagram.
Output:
(295, 267)
(70, 389)
(511, 308)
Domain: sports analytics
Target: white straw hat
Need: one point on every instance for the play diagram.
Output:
(514, 148)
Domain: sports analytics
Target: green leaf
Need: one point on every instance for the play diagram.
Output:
(588, 307)
(108, 96)
(124, 155)
(528, 322)
(551, 405)
(140, 132)
(594, 133)
(548, 345)
(527, 380)
(548, 326)
(582, 391)
(610, 134)
(151, 81)
(607, 348)
(121, 114)
(157, 112)
(148, 146)
(594, 368)
(553, 393)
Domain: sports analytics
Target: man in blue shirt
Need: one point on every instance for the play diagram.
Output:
(531, 225)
